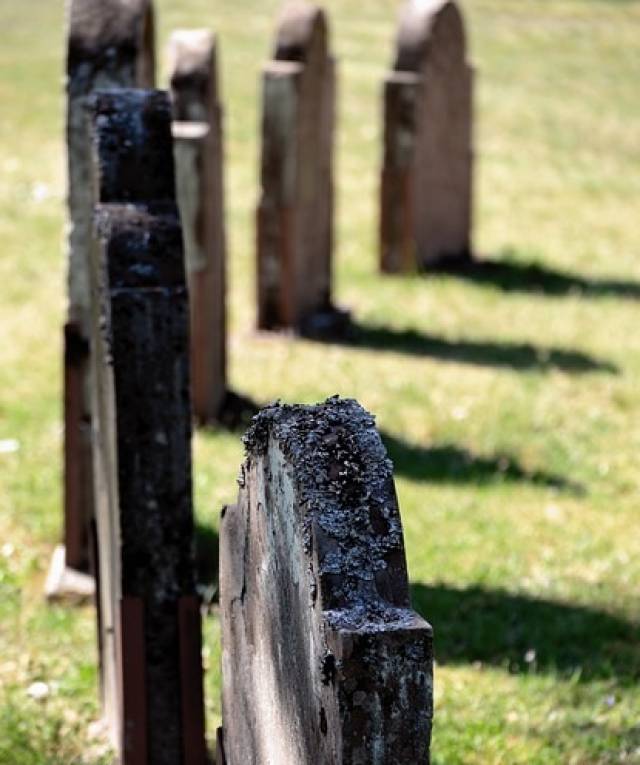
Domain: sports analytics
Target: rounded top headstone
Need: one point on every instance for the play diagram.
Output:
(193, 76)
(429, 28)
(302, 34)
(104, 32)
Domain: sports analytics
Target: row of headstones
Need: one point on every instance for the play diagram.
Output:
(136, 228)
(323, 660)
(425, 188)
(425, 200)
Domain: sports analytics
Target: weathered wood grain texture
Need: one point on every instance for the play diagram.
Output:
(323, 660)
(199, 156)
(426, 185)
(110, 44)
(151, 666)
(295, 212)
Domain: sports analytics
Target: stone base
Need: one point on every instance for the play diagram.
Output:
(66, 585)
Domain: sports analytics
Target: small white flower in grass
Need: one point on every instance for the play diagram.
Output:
(530, 656)
(38, 690)
(9, 446)
(459, 413)
(610, 701)
(7, 550)
(553, 513)
(40, 192)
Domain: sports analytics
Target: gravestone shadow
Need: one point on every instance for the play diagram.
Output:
(511, 274)
(207, 562)
(518, 356)
(521, 633)
(448, 463)
(236, 413)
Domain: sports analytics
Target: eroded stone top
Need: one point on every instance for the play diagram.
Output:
(351, 522)
(424, 26)
(302, 33)
(193, 75)
(102, 32)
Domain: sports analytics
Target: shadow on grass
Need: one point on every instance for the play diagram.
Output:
(447, 463)
(519, 356)
(511, 275)
(207, 559)
(521, 634)
(235, 414)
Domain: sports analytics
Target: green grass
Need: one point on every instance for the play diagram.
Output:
(509, 401)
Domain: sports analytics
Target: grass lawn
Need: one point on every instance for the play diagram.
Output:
(508, 400)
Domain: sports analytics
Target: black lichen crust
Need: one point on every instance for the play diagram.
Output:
(344, 487)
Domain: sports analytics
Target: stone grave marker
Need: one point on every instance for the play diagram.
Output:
(110, 44)
(426, 190)
(323, 660)
(198, 151)
(295, 211)
(149, 618)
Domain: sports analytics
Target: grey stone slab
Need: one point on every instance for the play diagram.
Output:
(323, 659)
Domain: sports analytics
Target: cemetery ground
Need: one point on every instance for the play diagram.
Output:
(508, 396)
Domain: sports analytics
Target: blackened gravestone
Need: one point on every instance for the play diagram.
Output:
(149, 620)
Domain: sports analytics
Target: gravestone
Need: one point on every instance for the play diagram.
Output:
(149, 618)
(110, 44)
(198, 151)
(295, 211)
(426, 196)
(323, 660)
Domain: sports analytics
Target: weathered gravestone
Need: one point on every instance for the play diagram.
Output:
(149, 619)
(198, 150)
(295, 212)
(110, 45)
(323, 659)
(426, 192)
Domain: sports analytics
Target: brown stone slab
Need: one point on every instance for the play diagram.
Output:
(426, 185)
(199, 151)
(323, 659)
(295, 212)
(110, 44)
(397, 231)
